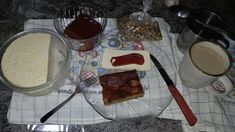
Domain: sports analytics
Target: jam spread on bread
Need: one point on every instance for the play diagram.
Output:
(121, 86)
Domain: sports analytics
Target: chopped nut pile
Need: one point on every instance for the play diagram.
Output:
(146, 30)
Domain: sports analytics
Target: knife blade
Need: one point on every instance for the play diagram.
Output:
(190, 117)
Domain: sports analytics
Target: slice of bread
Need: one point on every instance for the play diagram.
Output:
(121, 86)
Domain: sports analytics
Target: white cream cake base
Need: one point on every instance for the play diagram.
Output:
(25, 61)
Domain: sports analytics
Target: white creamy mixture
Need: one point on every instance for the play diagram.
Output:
(25, 61)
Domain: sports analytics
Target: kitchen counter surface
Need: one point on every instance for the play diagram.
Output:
(13, 13)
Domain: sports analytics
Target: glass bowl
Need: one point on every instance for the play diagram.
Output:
(58, 64)
(156, 98)
(68, 15)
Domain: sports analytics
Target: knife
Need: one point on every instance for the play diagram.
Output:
(190, 117)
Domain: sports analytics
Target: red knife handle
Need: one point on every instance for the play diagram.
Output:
(190, 117)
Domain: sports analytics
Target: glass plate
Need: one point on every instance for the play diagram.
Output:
(156, 98)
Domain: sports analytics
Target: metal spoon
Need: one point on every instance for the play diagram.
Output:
(183, 11)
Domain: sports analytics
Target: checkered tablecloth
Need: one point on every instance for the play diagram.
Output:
(213, 114)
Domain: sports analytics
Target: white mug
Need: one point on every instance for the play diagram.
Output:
(205, 65)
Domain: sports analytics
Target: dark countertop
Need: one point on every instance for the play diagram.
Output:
(13, 13)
